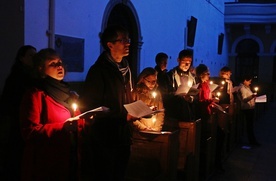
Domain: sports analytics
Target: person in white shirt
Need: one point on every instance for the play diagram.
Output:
(247, 99)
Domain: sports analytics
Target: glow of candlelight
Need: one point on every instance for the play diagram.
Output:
(211, 82)
(153, 120)
(223, 82)
(190, 83)
(256, 89)
(153, 94)
(218, 94)
(74, 106)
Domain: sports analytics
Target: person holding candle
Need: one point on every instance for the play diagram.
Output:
(108, 83)
(247, 100)
(180, 76)
(205, 105)
(47, 125)
(146, 90)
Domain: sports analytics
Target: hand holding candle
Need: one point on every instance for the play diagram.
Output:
(74, 107)
(256, 89)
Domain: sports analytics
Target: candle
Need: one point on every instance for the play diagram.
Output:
(74, 107)
(223, 82)
(154, 96)
(218, 94)
(211, 82)
(153, 120)
(190, 83)
(256, 89)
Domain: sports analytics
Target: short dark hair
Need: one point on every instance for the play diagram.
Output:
(110, 34)
(160, 57)
(22, 51)
(247, 77)
(185, 53)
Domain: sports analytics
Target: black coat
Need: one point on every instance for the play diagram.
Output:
(105, 86)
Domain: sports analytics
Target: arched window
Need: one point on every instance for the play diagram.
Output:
(247, 60)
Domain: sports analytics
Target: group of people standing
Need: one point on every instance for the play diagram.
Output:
(50, 140)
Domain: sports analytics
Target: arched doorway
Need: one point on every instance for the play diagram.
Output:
(247, 60)
(123, 13)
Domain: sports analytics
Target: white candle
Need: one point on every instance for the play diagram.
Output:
(154, 96)
(74, 107)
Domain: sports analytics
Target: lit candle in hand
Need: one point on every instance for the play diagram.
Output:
(256, 89)
(218, 94)
(74, 107)
(154, 96)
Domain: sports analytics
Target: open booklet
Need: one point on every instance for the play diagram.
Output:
(261, 98)
(139, 109)
(186, 90)
(93, 112)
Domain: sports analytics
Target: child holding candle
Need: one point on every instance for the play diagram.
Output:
(146, 90)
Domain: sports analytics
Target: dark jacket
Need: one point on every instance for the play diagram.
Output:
(105, 86)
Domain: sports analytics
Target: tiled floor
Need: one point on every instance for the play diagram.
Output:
(255, 164)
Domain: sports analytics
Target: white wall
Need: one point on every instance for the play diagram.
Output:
(162, 24)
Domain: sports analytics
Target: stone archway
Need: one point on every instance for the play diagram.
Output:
(247, 59)
(124, 13)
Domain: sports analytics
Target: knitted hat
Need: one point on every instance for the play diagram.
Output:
(200, 69)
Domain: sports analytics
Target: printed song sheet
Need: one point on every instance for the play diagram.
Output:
(139, 109)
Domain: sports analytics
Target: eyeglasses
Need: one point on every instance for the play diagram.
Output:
(153, 82)
(56, 64)
(123, 40)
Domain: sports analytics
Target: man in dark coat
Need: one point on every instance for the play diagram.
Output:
(108, 83)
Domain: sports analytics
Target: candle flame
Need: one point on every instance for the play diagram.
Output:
(218, 94)
(256, 89)
(190, 83)
(223, 82)
(154, 94)
(153, 120)
(74, 106)
(211, 82)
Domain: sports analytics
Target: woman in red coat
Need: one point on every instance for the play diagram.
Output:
(50, 152)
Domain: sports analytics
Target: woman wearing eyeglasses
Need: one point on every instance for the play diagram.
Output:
(50, 152)
(146, 91)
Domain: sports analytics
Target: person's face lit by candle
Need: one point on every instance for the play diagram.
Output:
(150, 81)
(184, 63)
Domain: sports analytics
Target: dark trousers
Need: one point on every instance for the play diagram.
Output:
(249, 120)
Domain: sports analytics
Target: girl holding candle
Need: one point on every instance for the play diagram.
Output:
(206, 98)
(46, 123)
(146, 90)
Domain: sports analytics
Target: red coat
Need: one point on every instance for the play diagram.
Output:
(47, 152)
